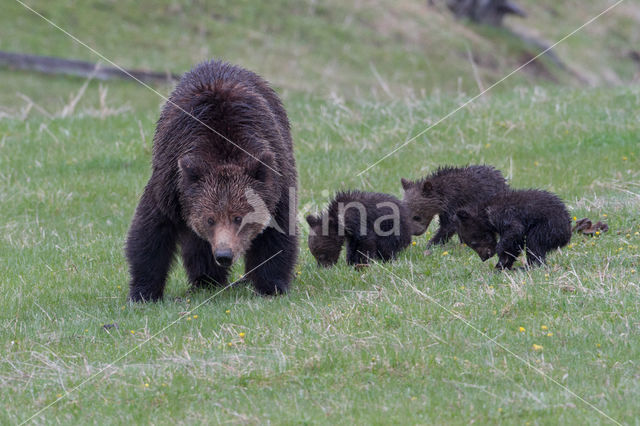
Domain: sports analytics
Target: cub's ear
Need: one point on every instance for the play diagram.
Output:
(427, 187)
(313, 220)
(261, 167)
(406, 184)
(190, 168)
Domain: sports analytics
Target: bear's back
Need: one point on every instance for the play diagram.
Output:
(375, 205)
(460, 186)
(531, 207)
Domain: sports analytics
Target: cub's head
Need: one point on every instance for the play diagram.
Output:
(227, 205)
(475, 231)
(423, 203)
(324, 242)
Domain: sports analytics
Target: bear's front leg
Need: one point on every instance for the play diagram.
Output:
(361, 250)
(202, 269)
(270, 260)
(509, 248)
(446, 229)
(150, 247)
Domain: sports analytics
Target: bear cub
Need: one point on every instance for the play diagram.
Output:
(223, 186)
(532, 220)
(374, 226)
(446, 191)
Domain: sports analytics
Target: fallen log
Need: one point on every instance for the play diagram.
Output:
(55, 65)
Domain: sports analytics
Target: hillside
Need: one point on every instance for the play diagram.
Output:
(376, 49)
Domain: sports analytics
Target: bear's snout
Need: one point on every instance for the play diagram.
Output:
(486, 254)
(223, 257)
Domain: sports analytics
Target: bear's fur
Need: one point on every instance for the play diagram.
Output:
(374, 226)
(208, 186)
(535, 219)
(444, 192)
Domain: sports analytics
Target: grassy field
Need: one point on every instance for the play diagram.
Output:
(437, 338)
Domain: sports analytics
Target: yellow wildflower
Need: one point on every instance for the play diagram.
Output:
(544, 327)
(522, 329)
(537, 348)
(241, 335)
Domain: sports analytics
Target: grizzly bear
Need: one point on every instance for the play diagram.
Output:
(374, 226)
(532, 219)
(223, 185)
(444, 192)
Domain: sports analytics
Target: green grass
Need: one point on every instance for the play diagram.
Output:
(426, 339)
(344, 346)
(381, 49)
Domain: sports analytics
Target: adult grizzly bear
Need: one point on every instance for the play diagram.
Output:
(223, 185)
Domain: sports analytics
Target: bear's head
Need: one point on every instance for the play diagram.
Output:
(474, 230)
(325, 243)
(227, 205)
(423, 204)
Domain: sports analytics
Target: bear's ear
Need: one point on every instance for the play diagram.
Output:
(190, 168)
(312, 220)
(261, 167)
(406, 184)
(427, 187)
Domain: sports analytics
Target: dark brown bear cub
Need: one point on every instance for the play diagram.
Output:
(444, 192)
(537, 220)
(374, 226)
(223, 185)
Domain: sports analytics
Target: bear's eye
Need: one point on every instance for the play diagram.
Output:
(237, 220)
(211, 222)
(416, 218)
